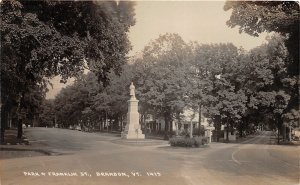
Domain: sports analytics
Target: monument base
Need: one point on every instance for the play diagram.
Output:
(132, 135)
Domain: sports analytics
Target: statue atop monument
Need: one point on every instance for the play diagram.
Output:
(132, 91)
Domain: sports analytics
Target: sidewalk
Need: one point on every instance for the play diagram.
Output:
(10, 138)
(16, 148)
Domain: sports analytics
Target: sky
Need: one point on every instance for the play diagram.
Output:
(201, 21)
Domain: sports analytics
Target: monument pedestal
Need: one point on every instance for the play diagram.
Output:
(132, 128)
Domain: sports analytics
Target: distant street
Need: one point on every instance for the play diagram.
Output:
(251, 162)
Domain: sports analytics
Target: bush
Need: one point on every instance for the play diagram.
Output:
(183, 142)
(200, 141)
(184, 133)
(188, 142)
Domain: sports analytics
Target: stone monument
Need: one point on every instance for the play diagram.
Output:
(132, 128)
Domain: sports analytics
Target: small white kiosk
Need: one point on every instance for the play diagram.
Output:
(208, 132)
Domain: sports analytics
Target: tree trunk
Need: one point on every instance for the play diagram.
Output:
(227, 132)
(217, 124)
(241, 129)
(111, 124)
(200, 117)
(2, 132)
(55, 120)
(278, 139)
(121, 123)
(99, 123)
(106, 123)
(2, 135)
(191, 129)
(278, 132)
(290, 132)
(217, 134)
(144, 120)
(166, 116)
(177, 123)
(279, 128)
(217, 131)
(20, 129)
(284, 132)
(21, 113)
(2, 124)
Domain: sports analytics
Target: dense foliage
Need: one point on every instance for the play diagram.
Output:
(42, 39)
(231, 87)
(237, 89)
(283, 17)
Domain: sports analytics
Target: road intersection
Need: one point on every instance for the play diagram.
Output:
(96, 158)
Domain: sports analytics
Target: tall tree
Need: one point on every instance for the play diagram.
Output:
(217, 83)
(41, 39)
(47, 116)
(255, 17)
(74, 102)
(268, 82)
(112, 101)
(161, 78)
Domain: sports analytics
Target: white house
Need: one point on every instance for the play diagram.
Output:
(187, 118)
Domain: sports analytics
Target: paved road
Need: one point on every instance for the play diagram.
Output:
(252, 162)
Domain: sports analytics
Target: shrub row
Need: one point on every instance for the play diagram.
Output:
(188, 142)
